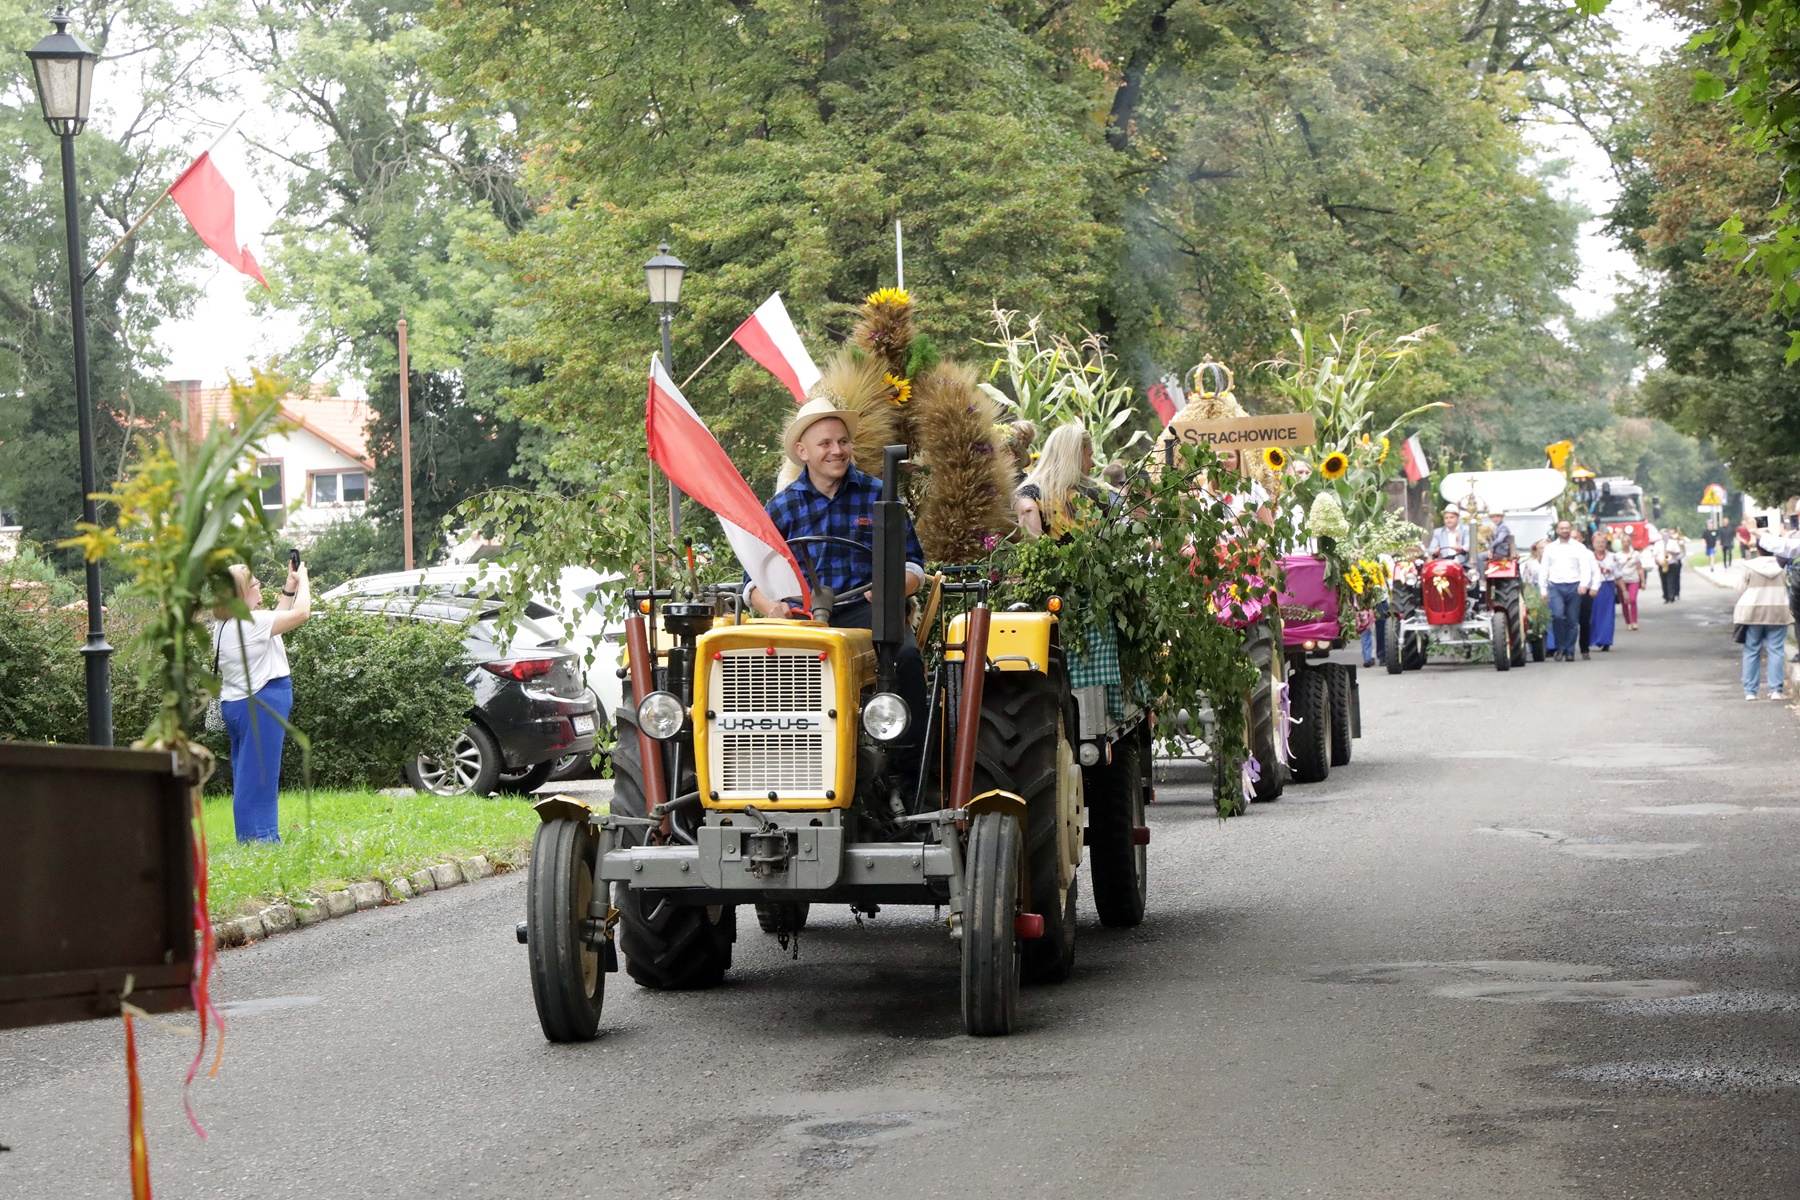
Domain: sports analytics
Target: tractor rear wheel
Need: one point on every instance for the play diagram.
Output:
(1118, 863)
(1023, 747)
(568, 983)
(782, 916)
(990, 937)
(1500, 635)
(1338, 679)
(667, 946)
(1264, 650)
(1312, 736)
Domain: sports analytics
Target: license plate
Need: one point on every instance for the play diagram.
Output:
(584, 724)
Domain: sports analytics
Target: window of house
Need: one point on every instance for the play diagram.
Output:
(274, 493)
(348, 487)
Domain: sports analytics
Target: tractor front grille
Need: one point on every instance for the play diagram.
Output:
(770, 732)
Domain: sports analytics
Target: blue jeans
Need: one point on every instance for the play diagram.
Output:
(1565, 615)
(1767, 642)
(256, 741)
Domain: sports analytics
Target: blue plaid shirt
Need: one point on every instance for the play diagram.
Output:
(801, 510)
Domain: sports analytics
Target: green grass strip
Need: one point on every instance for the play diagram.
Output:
(340, 837)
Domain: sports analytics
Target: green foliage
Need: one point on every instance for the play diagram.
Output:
(369, 693)
(396, 213)
(1194, 565)
(1051, 380)
(353, 548)
(126, 155)
(186, 513)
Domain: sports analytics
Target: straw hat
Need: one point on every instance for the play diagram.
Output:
(810, 414)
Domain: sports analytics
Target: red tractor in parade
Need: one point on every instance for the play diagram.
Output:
(1432, 606)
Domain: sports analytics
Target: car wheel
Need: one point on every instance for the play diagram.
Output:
(523, 783)
(571, 766)
(473, 766)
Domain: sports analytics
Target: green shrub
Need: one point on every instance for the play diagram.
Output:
(370, 693)
(350, 549)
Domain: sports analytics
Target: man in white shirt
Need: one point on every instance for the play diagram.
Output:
(1569, 572)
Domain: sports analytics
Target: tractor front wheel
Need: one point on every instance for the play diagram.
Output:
(1023, 748)
(1119, 862)
(990, 937)
(1500, 636)
(568, 983)
(1312, 736)
(1515, 620)
(1264, 651)
(667, 946)
(1338, 680)
(1393, 657)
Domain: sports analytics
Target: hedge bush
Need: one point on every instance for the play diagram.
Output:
(368, 692)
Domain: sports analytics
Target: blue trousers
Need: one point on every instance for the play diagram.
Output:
(256, 740)
(1769, 644)
(1565, 615)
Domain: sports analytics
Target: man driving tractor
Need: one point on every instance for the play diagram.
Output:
(833, 498)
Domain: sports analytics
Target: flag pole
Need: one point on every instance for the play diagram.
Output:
(149, 212)
(899, 258)
(703, 363)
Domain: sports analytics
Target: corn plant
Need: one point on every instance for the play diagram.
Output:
(1051, 380)
(185, 514)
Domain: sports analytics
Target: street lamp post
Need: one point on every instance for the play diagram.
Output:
(64, 71)
(663, 275)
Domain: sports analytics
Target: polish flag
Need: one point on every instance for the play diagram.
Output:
(1412, 457)
(217, 212)
(682, 445)
(770, 338)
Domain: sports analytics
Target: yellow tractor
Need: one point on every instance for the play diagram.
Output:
(755, 767)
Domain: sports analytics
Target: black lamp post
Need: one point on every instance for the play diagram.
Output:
(663, 275)
(64, 70)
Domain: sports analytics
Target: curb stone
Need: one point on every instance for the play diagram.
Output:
(358, 897)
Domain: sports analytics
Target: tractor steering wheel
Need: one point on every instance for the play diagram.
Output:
(853, 593)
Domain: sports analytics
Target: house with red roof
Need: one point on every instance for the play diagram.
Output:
(315, 474)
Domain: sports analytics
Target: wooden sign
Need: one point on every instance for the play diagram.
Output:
(1240, 433)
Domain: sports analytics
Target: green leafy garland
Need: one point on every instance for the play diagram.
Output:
(1164, 562)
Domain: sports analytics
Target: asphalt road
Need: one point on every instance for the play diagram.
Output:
(1498, 955)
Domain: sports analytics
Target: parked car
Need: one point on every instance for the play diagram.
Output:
(531, 708)
(595, 637)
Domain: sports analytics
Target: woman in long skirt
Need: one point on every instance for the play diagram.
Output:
(1601, 622)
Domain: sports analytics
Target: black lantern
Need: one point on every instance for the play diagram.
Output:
(64, 68)
(663, 273)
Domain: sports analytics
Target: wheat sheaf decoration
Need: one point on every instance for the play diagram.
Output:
(968, 494)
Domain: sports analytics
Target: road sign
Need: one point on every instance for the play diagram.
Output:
(1713, 499)
(1241, 433)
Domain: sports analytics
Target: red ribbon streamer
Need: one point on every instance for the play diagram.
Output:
(140, 1152)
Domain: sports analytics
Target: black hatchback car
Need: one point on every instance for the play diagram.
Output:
(531, 707)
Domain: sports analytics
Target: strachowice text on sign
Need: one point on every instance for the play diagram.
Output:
(1242, 433)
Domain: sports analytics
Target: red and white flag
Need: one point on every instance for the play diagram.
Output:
(769, 336)
(216, 211)
(686, 450)
(1412, 457)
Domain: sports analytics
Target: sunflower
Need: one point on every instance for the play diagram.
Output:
(902, 389)
(1384, 451)
(894, 296)
(1274, 458)
(1334, 465)
(1354, 579)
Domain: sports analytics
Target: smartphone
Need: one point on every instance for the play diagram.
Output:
(1762, 522)
(293, 559)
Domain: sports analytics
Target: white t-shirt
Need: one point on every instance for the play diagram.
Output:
(247, 666)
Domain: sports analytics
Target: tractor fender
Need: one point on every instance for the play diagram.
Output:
(1010, 803)
(556, 808)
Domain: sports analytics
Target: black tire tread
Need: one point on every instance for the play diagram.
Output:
(1312, 736)
(1015, 751)
(990, 947)
(566, 1010)
(1117, 794)
(1338, 678)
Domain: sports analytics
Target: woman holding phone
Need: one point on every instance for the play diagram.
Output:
(256, 694)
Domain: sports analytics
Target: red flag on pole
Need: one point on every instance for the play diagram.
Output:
(211, 207)
(1412, 457)
(769, 337)
(682, 445)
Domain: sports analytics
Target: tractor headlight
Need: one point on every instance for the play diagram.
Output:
(660, 715)
(884, 716)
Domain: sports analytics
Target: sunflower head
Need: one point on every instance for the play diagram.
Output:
(1354, 579)
(880, 297)
(1274, 458)
(902, 389)
(1384, 451)
(1334, 465)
